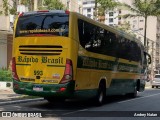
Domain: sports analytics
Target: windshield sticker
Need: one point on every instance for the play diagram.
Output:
(56, 76)
(41, 31)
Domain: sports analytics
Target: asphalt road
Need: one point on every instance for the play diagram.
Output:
(145, 106)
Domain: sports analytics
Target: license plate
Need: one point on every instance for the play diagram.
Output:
(38, 88)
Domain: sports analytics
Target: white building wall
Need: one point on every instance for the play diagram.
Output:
(111, 20)
(3, 50)
(4, 28)
(71, 4)
(151, 34)
(151, 28)
(5, 20)
(88, 8)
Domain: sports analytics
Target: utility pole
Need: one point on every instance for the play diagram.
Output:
(152, 57)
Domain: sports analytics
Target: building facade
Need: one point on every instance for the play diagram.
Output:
(72, 5)
(6, 34)
(88, 8)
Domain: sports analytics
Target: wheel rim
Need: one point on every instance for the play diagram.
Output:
(100, 97)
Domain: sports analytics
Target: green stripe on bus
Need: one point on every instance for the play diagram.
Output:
(55, 66)
(100, 64)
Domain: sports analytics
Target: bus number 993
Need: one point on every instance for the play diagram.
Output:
(38, 72)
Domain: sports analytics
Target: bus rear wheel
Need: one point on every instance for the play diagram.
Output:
(53, 100)
(134, 93)
(101, 94)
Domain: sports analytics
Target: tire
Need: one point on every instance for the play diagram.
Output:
(156, 86)
(49, 99)
(53, 100)
(101, 94)
(134, 94)
(152, 86)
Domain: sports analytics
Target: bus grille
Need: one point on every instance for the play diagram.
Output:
(40, 49)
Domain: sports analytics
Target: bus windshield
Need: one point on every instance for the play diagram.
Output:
(47, 24)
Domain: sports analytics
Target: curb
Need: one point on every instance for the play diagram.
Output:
(21, 101)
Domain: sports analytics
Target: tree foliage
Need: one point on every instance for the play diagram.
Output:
(53, 4)
(106, 5)
(28, 3)
(143, 8)
(12, 9)
(1, 12)
(6, 7)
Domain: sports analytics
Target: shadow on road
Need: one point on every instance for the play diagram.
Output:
(78, 104)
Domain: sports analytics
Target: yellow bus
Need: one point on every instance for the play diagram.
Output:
(60, 54)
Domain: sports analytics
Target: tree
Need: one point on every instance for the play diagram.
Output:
(1, 12)
(12, 9)
(53, 4)
(144, 8)
(107, 4)
(28, 3)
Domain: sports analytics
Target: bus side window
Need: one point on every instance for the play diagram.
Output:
(81, 33)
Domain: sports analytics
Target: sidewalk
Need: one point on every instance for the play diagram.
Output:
(8, 94)
(8, 97)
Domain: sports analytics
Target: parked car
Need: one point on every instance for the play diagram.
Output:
(156, 81)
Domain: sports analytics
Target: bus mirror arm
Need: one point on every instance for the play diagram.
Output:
(149, 58)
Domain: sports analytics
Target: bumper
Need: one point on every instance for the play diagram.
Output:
(47, 90)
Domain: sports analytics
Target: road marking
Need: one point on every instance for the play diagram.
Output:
(17, 106)
(75, 111)
(139, 98)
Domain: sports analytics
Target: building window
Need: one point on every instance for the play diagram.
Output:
(157, 45)
(133, 26)
(141, 20)
(139, 38)
(89, 10)
(157, 61)
(119, 18)
(92, 1)
(140, 28)
(157, 53)
(134, 21)
(84, 3)
(110, 20)
(89, 15)
(120, 11)
(110, 13)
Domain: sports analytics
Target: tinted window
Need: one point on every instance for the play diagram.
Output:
(98, 40)
(53, 24)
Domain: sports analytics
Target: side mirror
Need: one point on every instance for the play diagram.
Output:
(149, 58)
